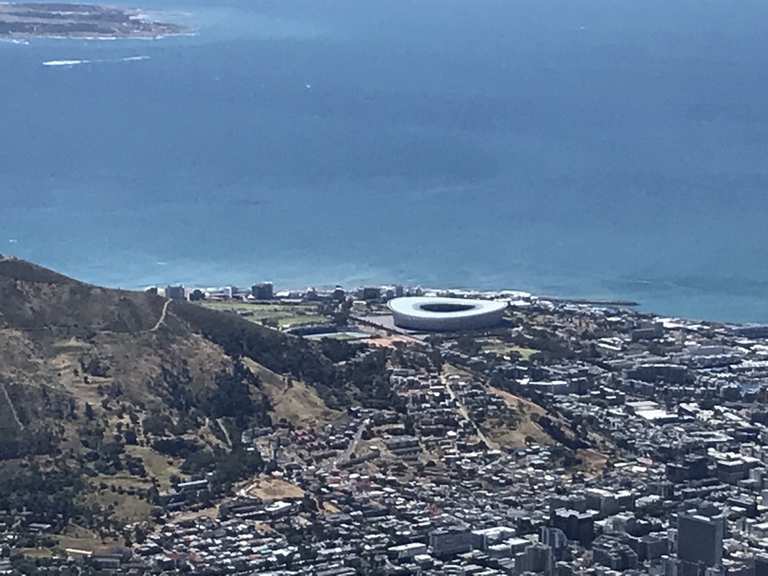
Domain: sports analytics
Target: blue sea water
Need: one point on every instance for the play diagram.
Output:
(593, 148)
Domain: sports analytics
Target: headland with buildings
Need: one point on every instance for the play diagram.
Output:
(86, 21)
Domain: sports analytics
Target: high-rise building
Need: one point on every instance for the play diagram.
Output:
(371, 293)
(536, 558)
(612, 552)
(339, 293)
(578, 526)
(263, 291)
(450, 541)
(700, 541)
(555, 539)
(175, 292)
(761, 565)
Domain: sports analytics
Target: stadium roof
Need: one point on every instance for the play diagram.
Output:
(436, 313)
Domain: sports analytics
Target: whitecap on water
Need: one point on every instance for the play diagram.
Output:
(71, 63)
(65, 62)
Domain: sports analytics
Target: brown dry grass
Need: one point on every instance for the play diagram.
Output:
(330, 508)
(270, 489)
(126, 507)
(81, 538)
(212, 512)
(525, 428)
(158, 465)
(292, 400)
(594, 462)
(390, 341)
(517, 402)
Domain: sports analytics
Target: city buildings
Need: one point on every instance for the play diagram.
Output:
(699, 542)
(566, 440)
(175, 292)
(263, 291)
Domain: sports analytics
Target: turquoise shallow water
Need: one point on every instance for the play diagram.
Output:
(588, 148)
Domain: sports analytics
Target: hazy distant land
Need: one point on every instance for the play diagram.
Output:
(79, 21)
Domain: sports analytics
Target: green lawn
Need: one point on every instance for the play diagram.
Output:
(504, 349)
(286, 315)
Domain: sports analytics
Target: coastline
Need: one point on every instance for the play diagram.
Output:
(661, 306)
(513, 296)
(28, 20)
(564, 298)
(287, 274)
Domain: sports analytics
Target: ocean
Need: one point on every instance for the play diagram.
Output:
(583, 148)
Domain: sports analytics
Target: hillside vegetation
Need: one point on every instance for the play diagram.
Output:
(110, 392)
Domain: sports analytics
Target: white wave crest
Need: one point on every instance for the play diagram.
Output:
(65, 62)
(71, 63)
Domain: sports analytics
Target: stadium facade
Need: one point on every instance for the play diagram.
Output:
(437, 314)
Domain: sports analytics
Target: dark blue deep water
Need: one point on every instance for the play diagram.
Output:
(596, 148)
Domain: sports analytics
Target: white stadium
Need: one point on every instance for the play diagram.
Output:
(445, 314)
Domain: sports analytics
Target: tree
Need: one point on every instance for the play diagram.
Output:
(468, 345)
(436, 358)
(196, 295)
(139, 535)
(232, 397)
(130, 437)
(410, 425)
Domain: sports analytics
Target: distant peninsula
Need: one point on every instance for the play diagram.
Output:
(79, 21)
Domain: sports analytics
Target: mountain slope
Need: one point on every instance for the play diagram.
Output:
(125, 390)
